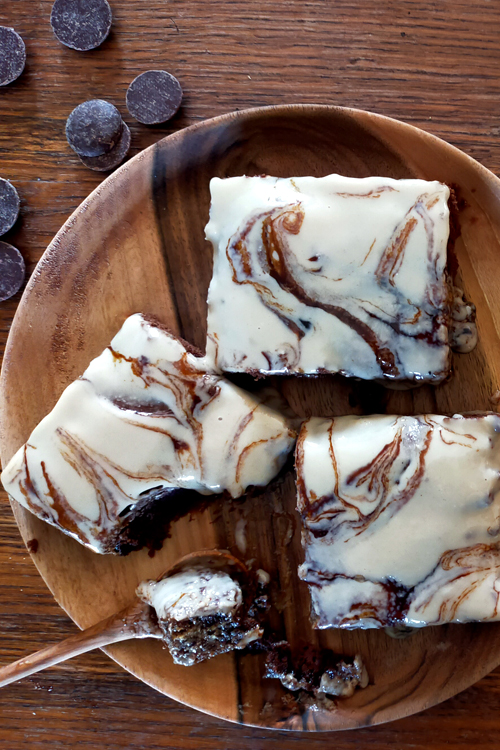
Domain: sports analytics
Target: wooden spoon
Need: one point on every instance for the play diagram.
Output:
(137, 620)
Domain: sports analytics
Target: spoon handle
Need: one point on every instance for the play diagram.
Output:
(131, 622)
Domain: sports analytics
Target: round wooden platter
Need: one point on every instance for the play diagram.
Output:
(137, 244)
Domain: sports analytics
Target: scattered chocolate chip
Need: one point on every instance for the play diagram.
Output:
(81, 24)
(154, 97)
(113, 158)
(9, 205)
(12, 271)
(94, 128)
(12, 55)
(32, 546)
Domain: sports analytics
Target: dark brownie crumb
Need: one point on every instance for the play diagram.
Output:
(199, 638)
(315, 670)
(32, 546)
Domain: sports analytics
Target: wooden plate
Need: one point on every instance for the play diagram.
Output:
(137, 244)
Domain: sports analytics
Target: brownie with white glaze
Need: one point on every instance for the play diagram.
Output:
(401, 519)
(331, 274)
(148, 422)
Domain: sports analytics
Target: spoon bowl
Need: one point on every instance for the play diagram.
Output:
(137, 620)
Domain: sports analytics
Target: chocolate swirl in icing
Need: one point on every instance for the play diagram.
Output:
(266, 253)
(437, 599)
(281, 264)
(147, 417)
(410, 536)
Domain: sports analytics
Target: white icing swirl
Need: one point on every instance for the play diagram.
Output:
(194, 592)
(146, 416)
(329, 274)
(401, 519)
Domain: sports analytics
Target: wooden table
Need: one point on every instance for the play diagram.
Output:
(434, 64)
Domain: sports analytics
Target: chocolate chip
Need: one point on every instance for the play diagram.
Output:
(94, 128)
(12, 55)
(81, 24)
(154, 97)
(9, 206)
(109, 161)
(12, 271)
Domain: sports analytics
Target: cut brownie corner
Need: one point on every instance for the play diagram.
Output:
(148, 522)
(153, 320)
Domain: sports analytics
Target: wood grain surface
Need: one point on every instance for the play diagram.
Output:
(432, 64)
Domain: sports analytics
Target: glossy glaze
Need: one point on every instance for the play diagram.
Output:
(401, 519)
(329, 275)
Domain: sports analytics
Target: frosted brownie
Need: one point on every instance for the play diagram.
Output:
(330, 274)
(147, 418)
(401, 519)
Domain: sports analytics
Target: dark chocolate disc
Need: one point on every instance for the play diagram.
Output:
(154, 97)
(113, 158)
(12, 271)
(12, 55)
(9, 205)
(81, 24)
(94, 128)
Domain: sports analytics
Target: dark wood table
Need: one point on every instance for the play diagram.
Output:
(435, 64)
